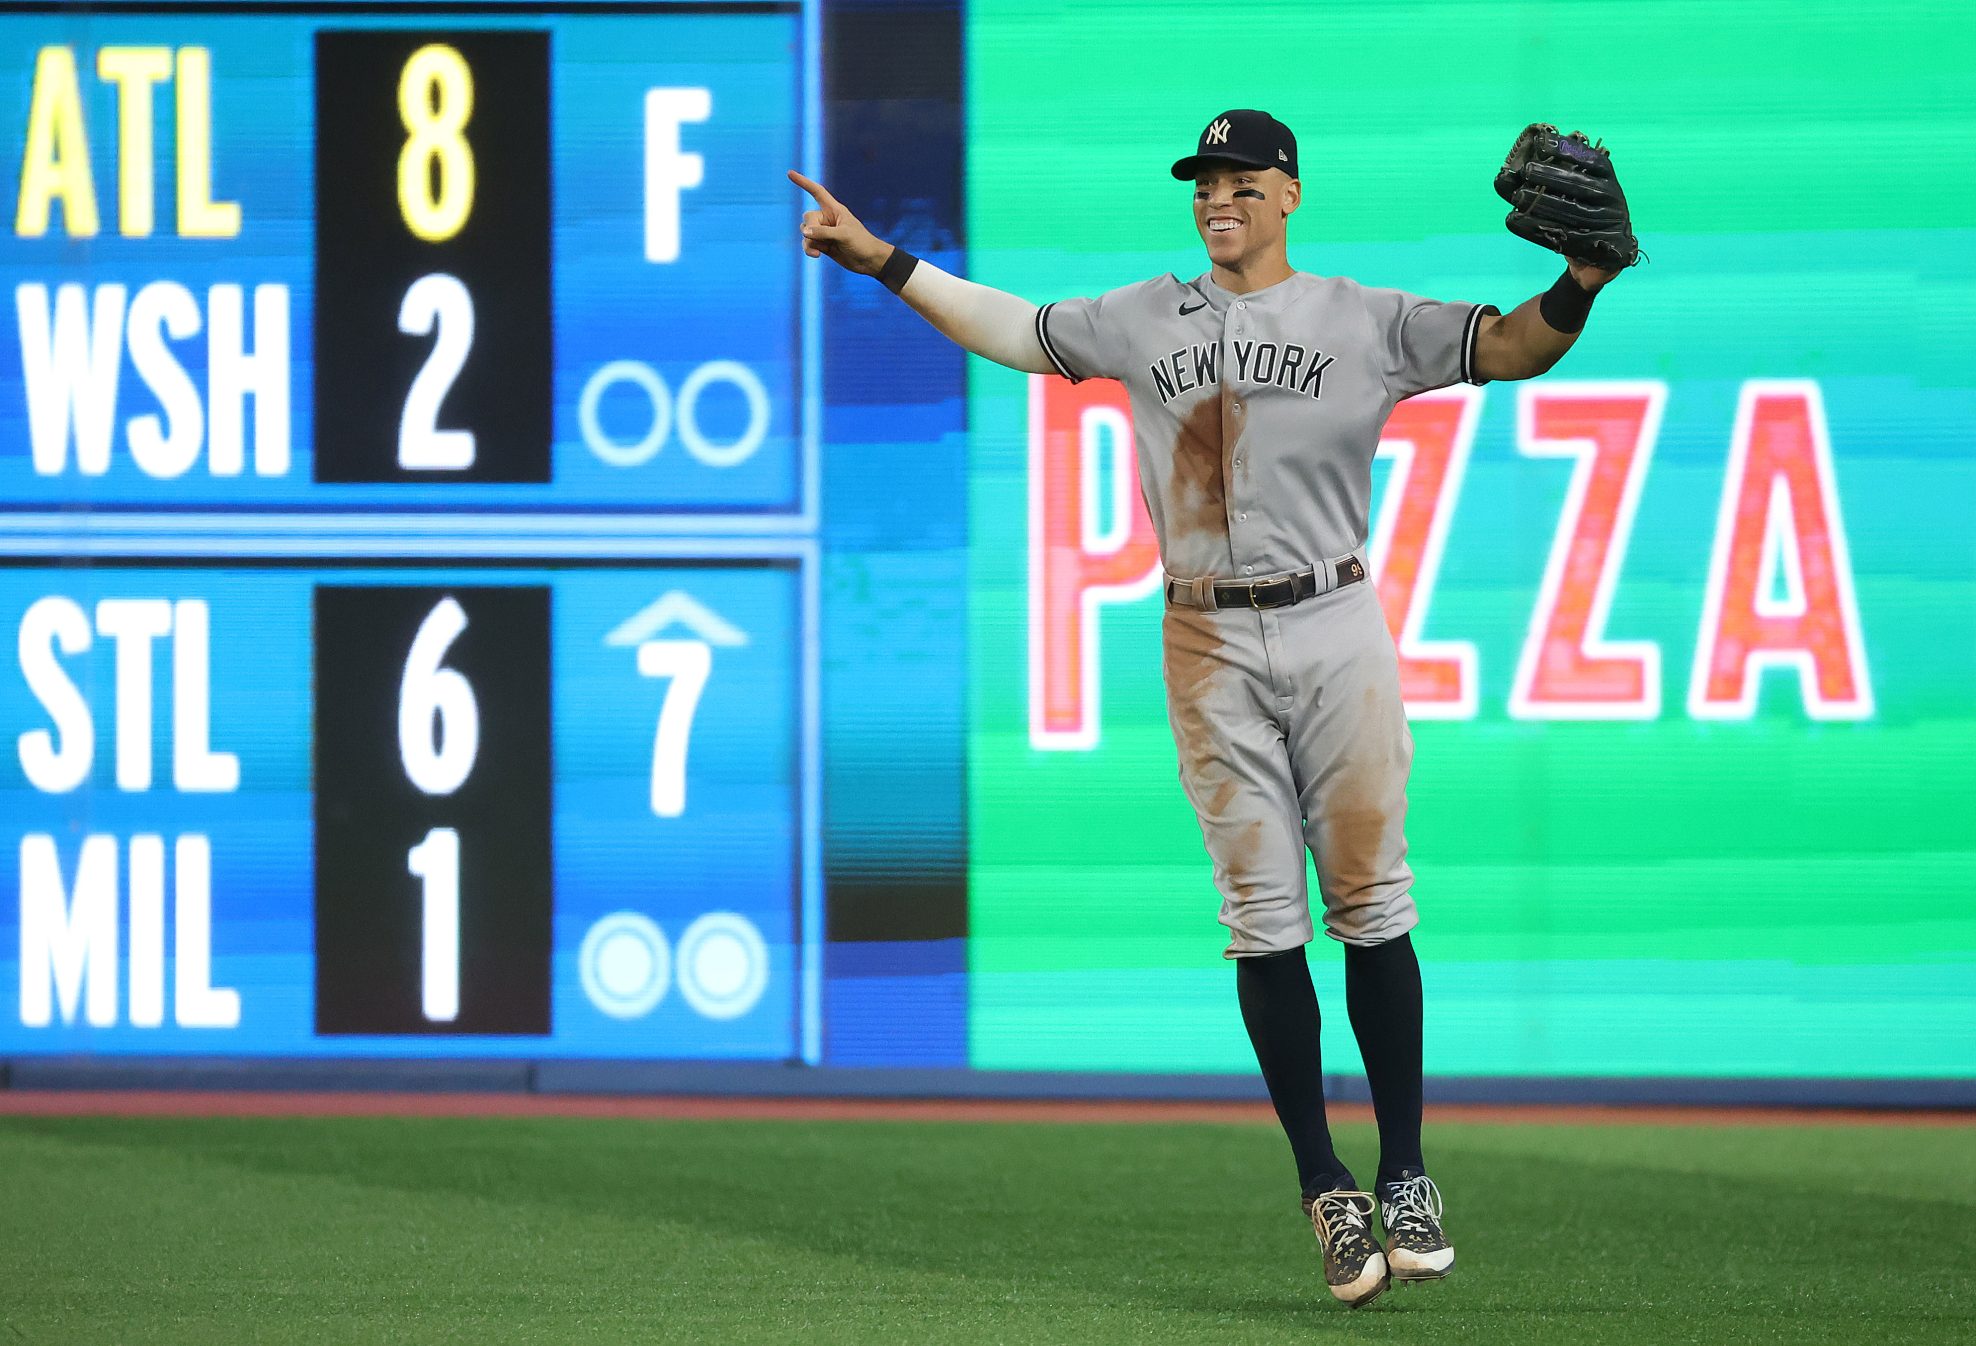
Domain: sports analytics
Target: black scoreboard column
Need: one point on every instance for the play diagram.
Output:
(432, 328)
(432, 809)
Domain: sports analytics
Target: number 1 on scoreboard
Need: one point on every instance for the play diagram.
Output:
(436, 861)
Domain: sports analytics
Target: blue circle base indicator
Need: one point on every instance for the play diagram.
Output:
(626, 965)
(723, 965)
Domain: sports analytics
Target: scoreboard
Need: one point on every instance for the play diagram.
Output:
(329, 264)
(408, 532)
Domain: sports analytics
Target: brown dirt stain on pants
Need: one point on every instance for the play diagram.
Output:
(1194, 654)
(1194, 659)
(1191, 639)
(1243, 857)
(1359, 809)
(1192, 647)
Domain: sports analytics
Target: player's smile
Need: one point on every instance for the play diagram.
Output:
(1239, 211)
(1225, 229)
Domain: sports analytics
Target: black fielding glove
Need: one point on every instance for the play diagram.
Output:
(1563, 196)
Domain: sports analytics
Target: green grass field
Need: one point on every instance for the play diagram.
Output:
(590, 1230)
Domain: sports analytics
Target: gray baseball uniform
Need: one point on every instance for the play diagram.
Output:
(1256, 417)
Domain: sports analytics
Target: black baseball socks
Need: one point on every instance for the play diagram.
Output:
(1382, 994)
(1279, 1008)
(1383, 997)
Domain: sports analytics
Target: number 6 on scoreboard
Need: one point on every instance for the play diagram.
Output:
(687, 663)
(438, 717)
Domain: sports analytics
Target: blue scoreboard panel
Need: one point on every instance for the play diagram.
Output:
(335, 263)
(408, 532)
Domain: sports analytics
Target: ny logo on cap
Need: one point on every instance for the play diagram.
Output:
(1217, 133)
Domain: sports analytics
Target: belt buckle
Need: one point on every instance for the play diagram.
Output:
(1289, 587)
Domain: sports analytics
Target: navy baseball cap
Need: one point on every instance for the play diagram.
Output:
(1242, 136)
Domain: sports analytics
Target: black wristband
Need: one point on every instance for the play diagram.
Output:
(898, 269)
(1565, 306)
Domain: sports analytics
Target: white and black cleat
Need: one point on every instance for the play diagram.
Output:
(1354, 1264)
(1416, 1247)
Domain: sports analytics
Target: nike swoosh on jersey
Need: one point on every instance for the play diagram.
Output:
(1184, 310)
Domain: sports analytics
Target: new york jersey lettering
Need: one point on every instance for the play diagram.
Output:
(1289, 366)
(1185, 370)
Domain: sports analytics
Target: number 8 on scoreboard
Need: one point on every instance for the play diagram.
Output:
(433, 348)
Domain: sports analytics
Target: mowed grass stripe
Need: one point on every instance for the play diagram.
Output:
(275, 1230)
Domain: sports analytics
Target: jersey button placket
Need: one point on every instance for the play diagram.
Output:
(1231, 427)
(1239, 410)
(1231, 480)
(1238, 414)
(1272, 632)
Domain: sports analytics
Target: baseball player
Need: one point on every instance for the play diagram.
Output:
(1258, 393)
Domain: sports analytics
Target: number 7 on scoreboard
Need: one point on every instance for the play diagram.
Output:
(688, 663)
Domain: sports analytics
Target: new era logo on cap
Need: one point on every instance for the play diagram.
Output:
(1243, 136)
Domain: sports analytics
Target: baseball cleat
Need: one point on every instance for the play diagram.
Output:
(1354, 1265)
(1416, 1249)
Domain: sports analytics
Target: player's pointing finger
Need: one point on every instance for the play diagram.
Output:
(817, 190)
(834, 232)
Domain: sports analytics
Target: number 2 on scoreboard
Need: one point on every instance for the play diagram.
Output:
(436, 301)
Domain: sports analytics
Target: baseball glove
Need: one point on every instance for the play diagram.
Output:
(1563, 196)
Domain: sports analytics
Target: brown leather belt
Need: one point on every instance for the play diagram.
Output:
(1278, 591)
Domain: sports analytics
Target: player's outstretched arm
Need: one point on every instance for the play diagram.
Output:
(991, 323)
(1524, 343)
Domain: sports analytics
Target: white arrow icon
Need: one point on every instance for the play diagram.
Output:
(676, 606)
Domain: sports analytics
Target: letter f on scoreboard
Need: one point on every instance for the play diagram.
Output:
(670, 170)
